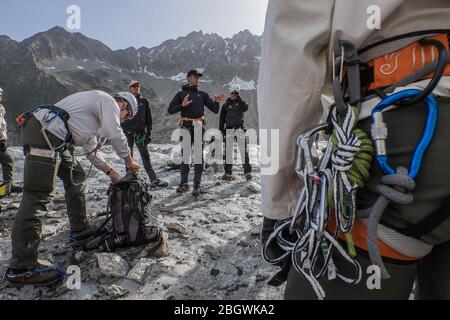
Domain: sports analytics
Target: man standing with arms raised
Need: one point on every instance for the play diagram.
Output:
(191, 102)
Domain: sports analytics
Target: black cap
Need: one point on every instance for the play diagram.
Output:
(194, 73)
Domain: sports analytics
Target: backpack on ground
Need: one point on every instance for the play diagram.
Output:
(128, 220)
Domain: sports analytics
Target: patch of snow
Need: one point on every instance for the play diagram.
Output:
(258, 58)
(105, 67)
(179, 77)
(99, 60)
(178, 46)
(151, 74)
(80, 67)
(85, 60)
(245, 85)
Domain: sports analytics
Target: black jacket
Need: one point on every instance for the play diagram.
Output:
(232, 114)
(142, 122)
(196, 109)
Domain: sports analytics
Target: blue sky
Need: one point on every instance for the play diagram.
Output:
(121, 24)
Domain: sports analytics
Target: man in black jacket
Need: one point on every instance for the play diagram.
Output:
(138, 131)
(232, 118)
(191, 102)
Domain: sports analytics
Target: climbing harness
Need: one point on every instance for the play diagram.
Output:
(325, 215)
(53, 113)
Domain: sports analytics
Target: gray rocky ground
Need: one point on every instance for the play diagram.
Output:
(214, 242)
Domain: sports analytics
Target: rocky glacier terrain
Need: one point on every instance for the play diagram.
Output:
(214, 250)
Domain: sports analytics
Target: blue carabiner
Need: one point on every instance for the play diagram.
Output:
(425, 141)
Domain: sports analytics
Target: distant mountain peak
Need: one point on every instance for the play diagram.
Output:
(54, 63)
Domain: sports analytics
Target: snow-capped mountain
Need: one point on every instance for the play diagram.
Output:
(53, 64)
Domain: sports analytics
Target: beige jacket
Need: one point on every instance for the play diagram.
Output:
(3, 128)
(296, 60)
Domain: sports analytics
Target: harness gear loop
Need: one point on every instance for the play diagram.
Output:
(348, 54)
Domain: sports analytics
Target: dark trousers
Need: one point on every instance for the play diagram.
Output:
(145, 155)
(7, 163)
(229, 144)
(188, 129)
(38, 191)
(405, 126)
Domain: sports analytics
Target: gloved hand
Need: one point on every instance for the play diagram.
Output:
(267, 228)
(3, 146)
(274, 251)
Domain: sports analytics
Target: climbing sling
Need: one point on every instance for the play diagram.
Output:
(325, 219)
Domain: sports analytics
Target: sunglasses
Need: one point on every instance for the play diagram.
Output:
(137, 85)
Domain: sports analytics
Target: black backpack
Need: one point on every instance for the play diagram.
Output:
(128, 221)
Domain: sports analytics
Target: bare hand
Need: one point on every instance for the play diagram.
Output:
(186, 101)
(114, 176)
(134, 167)
(220, 97)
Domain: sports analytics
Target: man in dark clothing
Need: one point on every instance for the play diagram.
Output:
(138, 131)
(191, 102)
(232, 118)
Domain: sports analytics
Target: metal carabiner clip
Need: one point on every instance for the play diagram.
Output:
(379, 134)
(305, 162)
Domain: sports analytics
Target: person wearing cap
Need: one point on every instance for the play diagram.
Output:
(232, 119)
(6, 159)
(49, 135)
(139, 131)
(191, 103)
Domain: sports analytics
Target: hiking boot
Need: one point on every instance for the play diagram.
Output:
(183, 188)
(228, 177)
(79, 238)
(197, 190)
(44, 274)
(158, 184)
(248, 176)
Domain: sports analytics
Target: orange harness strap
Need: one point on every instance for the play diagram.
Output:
(391, 68)
(359, 234)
